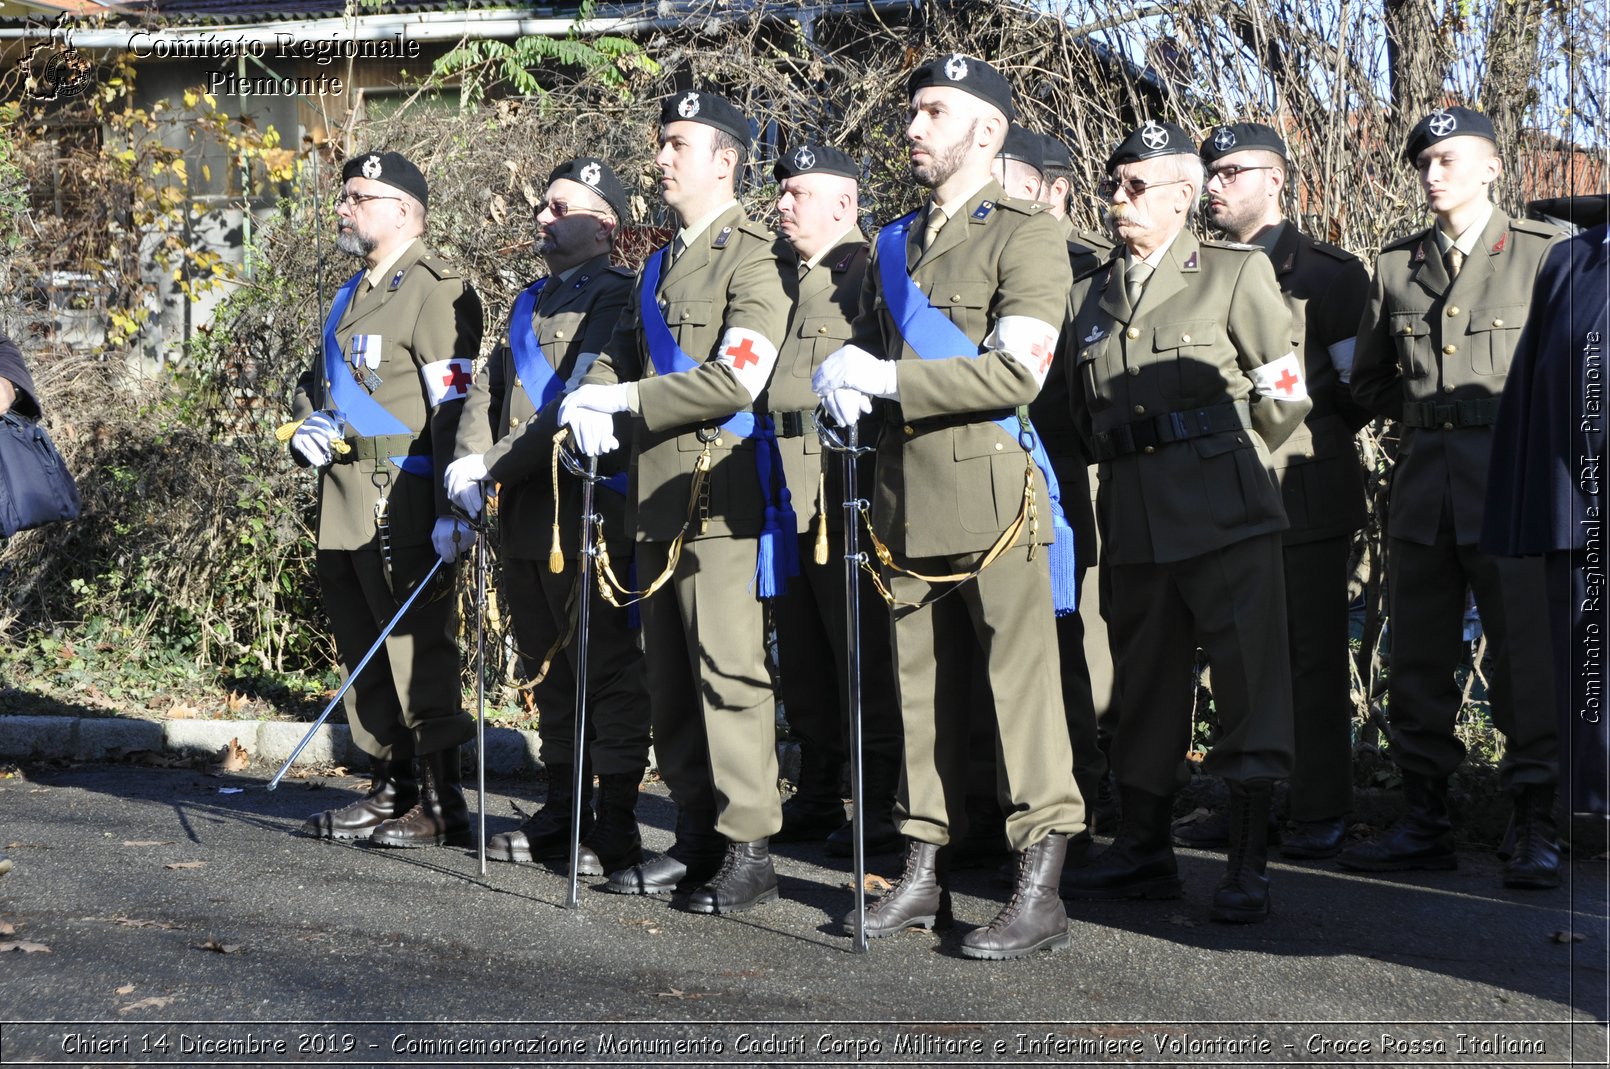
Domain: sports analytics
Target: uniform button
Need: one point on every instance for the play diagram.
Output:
(514, 424)
(1085, 355)
(1453, 310)
(1450, 349)
(1132, 333)
(517, 382)
(821, 330)
(1498, 322)
(1150, 449)
(684, 315)
(999, 446)
(1447, 426)
(909, 429)
(1447, 389)
(955, 298)
(1132, 370)
(1140, 410)
(1408, 328)
(1185, 338)
(559, 334)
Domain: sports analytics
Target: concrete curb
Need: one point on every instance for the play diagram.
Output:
(509, 751)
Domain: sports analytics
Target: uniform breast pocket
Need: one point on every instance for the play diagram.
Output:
(966, 301)
(1088, 362)
(825, 334)
(1184, 357)
(1492, 336)
(688, 317)
(1411, 336)
(557, 333)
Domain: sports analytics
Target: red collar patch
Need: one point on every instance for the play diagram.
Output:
(1499, 247)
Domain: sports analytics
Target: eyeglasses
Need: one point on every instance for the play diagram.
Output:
(358, 200)
(1135, 187)
(1228, 175)
(559, 209)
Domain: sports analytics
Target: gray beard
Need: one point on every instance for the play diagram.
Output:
(354, 244)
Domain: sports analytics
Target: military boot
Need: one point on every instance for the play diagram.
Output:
(745, 880)
(816, 810)
(693, 860)
(1534, 859)
(1243, 894)
(882, 835)
(392, 792)
(921, 897)
(545, 836)
(1140, 862)
(614, 842)
(441, 817)
(1034, 917)
(1422, 838)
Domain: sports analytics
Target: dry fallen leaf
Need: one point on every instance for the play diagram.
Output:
(147, 842)
(218, 948)
(131, 922)
(24, 946)
(181, 711)
(184, 864)
(126, 989)
(234, 757)
(678, 993)
(235, 702)
(1567, 937)
(6, 928)
(153, 1003)
(874, 882)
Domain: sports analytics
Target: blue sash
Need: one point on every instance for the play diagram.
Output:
(777, 557)
(350, 402)
(932, 336)
(538, 379)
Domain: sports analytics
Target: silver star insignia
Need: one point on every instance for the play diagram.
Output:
(1154, 136)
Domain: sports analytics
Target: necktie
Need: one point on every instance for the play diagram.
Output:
(1135, 279)
(1455, 260)
(936, 222)
(678, 247)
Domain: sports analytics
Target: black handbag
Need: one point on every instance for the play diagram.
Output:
(35, 488)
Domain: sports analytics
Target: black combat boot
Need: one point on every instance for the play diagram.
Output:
(614, 842)
(1243, 894)
(1312, 839)
(1534, 859)
(441, 817)
(1034, 918)
(1139, 863)
(545, 835)
(1422, 838)
(745, 880)
(392, 792)
(691, 862)
(882, 835)
(815, 810)
(921, 897)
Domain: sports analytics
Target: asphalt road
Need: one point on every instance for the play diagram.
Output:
(261, 947)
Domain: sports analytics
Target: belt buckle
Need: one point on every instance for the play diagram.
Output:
(793, 424)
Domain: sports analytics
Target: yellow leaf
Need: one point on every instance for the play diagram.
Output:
(190, 98)
(179, 168)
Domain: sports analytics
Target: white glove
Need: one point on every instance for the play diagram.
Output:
(846, 406)
(450, 537)
(857, 369)
(594, 432)
(314, 441)
(463, 482)
(600, 397)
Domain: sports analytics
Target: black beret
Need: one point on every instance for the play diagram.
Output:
(1241, 135)
(968, 74)
(812, 158)
(1054, 155)
(389, 168)
(1584, 211)
(707, 108)
(1441, 125)
(597, 176)
(1022, 144)
(1152, 138)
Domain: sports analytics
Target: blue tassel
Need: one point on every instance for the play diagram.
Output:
(1064, 572)
(766, 583)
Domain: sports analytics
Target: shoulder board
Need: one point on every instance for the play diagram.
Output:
(1405, 242)
(1332, 251)
(1091, 240)
(624, 272)
(1024, 207)
(438, 267)
(1214, 243)
(756, 229)
(1532, 226)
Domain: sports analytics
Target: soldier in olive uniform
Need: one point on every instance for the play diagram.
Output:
(817, 206)
(957, 325)
(378, 413)
(694, 351)
(1321, 479)
(1433, 350)
(1183, 378)
(501, 439)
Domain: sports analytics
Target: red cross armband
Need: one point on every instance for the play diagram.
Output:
(447, 380)
(750, 356)
(1281, 379)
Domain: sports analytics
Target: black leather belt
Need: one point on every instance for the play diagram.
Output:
(1145, 435)
(793, 424)
(1450, 415)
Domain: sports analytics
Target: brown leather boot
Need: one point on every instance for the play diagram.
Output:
(545, 836)
(614, 842)
(1034, 917)
(920, 899)
(441, 817)
(392, 792)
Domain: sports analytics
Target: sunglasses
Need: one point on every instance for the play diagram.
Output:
(1135, 187)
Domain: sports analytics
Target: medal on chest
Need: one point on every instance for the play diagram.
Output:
(364, 355)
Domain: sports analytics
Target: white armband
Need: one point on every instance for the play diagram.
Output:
(1341, 358)
(447, 380)
(750, 356)
(1031, 342)
(1281, 379)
